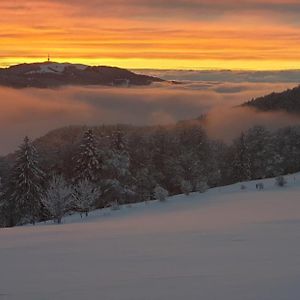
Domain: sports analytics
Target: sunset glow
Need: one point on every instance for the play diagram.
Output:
(182, 34)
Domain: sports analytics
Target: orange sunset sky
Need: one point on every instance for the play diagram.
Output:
(178, 34)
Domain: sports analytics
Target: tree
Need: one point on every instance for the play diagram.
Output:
(264, 157)
(287, 143)
(85, 194)
(117, 186)
(26, 188)
(202, 187)
(241, 161)
(87, 164)
(58, 198)
(2, 205)
(118, 140)
(144, 184)
(160, 193)
(194, 155)
(186, 187)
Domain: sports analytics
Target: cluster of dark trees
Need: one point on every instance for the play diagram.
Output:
(80, 169)
(284, 101)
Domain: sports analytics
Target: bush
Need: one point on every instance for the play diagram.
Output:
(114, 205)
(202, 187)
(186, 187)
(160, 193)
(280, 181)
(243, 187)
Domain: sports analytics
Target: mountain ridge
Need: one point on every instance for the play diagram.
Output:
(52, 74)
(288, 101)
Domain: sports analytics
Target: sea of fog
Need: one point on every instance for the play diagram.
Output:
(34, 112)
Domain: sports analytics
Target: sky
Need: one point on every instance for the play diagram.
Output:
(153, 34)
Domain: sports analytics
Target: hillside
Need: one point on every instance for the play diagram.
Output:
(227, 243)
(288, 100)
(52, 74)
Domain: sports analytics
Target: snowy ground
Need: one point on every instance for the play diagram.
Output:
(226, 244)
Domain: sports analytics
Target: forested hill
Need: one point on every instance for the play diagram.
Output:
(288, 100)
(52, 74)
(131, 164)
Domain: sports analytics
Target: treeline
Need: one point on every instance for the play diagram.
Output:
(80, 169)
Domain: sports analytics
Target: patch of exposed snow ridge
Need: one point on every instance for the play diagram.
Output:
(57, 68)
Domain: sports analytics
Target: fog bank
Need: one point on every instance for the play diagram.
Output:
(34, 112)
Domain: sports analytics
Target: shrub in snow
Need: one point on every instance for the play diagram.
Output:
(243, 187)
(202, 187)
(58, 198)
(114, 189)
(160, 193)
(186, 187)
(260, 186)
(85, 195)
(114, 205)
(280, 181)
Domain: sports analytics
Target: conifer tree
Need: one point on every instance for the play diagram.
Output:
(119, 179)
(87, 165)
(241, 160)
(118, 141)
(26, 184)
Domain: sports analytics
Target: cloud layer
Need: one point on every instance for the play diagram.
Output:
(255, 34)
(34, 112)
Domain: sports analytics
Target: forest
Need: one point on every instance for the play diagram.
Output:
(79, 169)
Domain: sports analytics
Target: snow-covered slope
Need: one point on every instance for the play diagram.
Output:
(57, 68)
(227, 243)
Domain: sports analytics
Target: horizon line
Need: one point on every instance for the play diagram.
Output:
(5, 66)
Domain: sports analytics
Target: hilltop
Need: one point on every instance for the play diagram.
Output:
(53, 74)
(288, 101)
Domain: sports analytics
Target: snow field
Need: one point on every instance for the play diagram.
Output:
(227, 244)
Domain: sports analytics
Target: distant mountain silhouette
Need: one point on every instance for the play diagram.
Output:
(288, 101)
(52, 74)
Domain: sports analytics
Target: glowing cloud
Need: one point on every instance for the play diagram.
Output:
(256, 34)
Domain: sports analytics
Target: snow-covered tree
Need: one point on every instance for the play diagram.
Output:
(144, 184)
(58, 198)
(85, 195)
(118, 140)
(26, 183)
(201, 187)
(160, 193)
(2, 205)
(118, 182)
(116, 192)
(261, 151)
(87, 164)
(241, 162)
(118, 164)
(186, 187)
(114, 205)
(287, 142)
